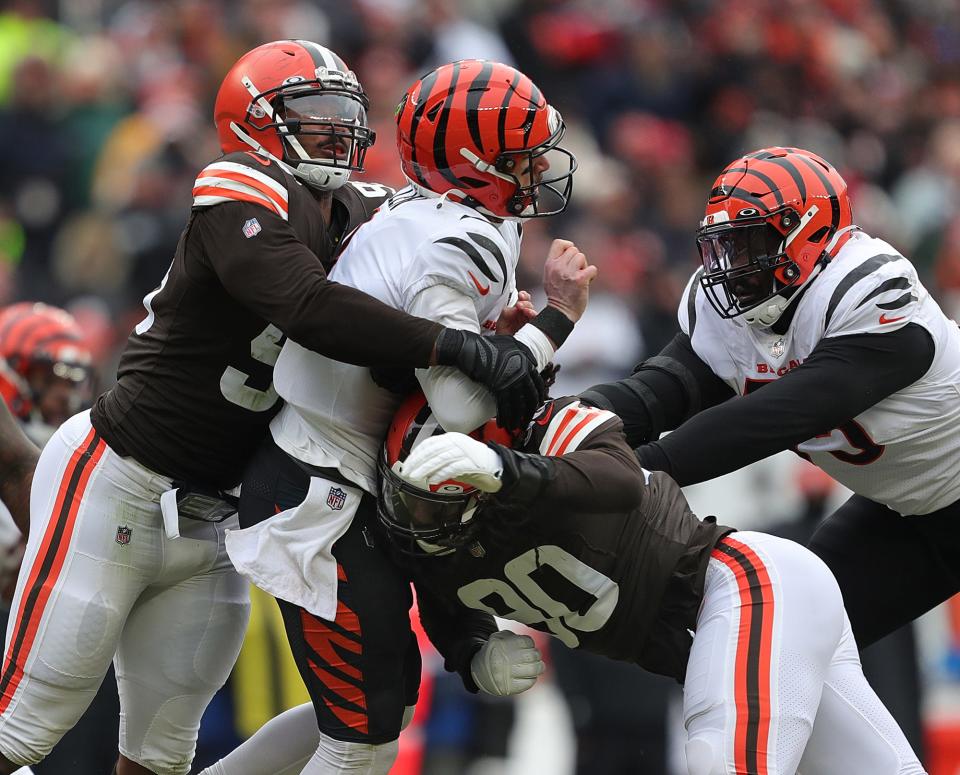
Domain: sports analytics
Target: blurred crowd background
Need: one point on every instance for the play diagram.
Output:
(106, 117)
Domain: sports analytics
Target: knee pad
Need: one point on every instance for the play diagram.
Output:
(348, 758)
(702, 759)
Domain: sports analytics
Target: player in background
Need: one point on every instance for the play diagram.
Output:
(46, 375)
(801, 331)
(480, 146)
(131, 500)
(566, 533)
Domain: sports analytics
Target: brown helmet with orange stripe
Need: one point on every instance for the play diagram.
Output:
(47, 366)
(482, 133)
(297, 103)
(774, 218)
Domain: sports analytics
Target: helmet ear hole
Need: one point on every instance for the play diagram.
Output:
(505, 164)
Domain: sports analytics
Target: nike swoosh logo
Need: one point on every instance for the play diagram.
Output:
(884, 319)
(483, 291)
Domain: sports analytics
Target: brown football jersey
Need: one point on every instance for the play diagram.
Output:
(623, 583)
(194, 392)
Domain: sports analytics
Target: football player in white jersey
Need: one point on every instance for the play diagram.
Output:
(801, 331)
(480, 147)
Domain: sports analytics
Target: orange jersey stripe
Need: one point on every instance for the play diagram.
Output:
(46, 568)
(753, 659)
(239, 196)
(575, 430)
(247, 180)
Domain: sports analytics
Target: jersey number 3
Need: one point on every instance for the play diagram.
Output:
(265, 347)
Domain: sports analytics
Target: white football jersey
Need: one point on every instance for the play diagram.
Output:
(423, 256)
(904, 451)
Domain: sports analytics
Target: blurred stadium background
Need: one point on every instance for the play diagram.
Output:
(106, 116)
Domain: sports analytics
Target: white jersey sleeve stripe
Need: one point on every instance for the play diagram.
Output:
(570, 427)
(242, 169)
(868, 267)
(228, 190)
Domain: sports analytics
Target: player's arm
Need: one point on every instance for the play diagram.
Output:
(444, 294)
(577, 459)
(274, 274)
(499, 663)
(843, 377)
(458, 402)
(18, 459)
(662, 392)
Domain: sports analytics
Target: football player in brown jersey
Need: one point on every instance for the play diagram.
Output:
(566, 533)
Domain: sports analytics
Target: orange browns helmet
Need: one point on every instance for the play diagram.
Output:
(420, 521)
(473, 130)
(281, 92)
(773, 219)
(42, 345)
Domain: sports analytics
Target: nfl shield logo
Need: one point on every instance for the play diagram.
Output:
(336, 498)
(123, 535)
(251, 228)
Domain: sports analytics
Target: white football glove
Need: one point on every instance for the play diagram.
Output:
(507, 664)
(454, 456)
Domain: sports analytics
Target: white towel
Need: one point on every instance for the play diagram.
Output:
(290, 555)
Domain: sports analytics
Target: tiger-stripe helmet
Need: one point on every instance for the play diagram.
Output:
(773, 219)
(298, 103)
(482, 133)
(47, 366)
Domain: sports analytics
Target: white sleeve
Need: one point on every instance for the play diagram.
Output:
(458, 403)
(881, 294)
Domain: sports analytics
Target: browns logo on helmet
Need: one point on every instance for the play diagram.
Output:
(47, 366)
(773, 219)
(299, 104)
(435, 520)
(482, 132)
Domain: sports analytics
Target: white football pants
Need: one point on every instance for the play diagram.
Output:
(774, 684)
(101, 578)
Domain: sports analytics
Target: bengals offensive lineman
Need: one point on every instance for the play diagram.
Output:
(802, 331)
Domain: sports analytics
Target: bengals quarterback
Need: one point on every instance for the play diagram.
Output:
(482, 150)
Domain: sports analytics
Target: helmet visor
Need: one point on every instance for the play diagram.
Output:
(411, 515)
(331, 128)
(738, 264)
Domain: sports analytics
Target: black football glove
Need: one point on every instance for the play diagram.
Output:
(503, 364)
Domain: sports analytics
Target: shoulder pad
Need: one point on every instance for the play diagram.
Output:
(687, 310)
(242, 177)
(474, 258)
(561, 425)
(879, 294)
(361, 199)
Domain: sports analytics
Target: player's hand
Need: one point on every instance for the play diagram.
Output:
(566, 279)
(504, 365)
(512, 319)
(453, 456)
(506, 664)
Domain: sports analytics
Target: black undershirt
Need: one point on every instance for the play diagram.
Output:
(843, 377)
